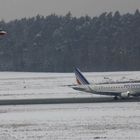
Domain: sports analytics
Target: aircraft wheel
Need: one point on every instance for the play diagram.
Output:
(115, 98)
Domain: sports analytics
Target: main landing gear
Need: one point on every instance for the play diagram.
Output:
(116, 98)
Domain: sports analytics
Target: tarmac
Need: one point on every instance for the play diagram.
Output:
(65, 100)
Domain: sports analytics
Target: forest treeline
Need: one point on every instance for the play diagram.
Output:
(109, 42)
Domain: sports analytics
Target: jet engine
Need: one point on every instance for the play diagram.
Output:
(125, 94)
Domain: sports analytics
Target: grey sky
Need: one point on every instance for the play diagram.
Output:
(12, 9)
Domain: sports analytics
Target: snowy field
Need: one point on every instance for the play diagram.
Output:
(103, 121)
(52, 85)
(118, 121)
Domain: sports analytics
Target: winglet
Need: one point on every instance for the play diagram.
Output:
(81, 80)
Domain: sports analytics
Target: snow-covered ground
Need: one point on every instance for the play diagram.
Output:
(52, 85)
(106, 121)
(103, 121)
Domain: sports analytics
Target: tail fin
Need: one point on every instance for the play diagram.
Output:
(81, 80)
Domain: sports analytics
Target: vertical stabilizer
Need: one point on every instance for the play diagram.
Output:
(81, 80)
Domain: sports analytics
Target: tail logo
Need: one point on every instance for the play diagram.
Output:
(78, 82)
(81, 80)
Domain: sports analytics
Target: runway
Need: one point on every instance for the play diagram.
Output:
(65, 100)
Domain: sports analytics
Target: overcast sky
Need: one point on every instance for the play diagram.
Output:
(12, 9)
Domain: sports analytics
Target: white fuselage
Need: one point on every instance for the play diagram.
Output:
(132, 87)
(110, 89)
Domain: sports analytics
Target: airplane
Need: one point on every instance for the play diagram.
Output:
(120, 90)
(2, 33)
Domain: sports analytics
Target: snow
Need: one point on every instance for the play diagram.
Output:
(103, 121)
(52, 85)
(71, 121)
